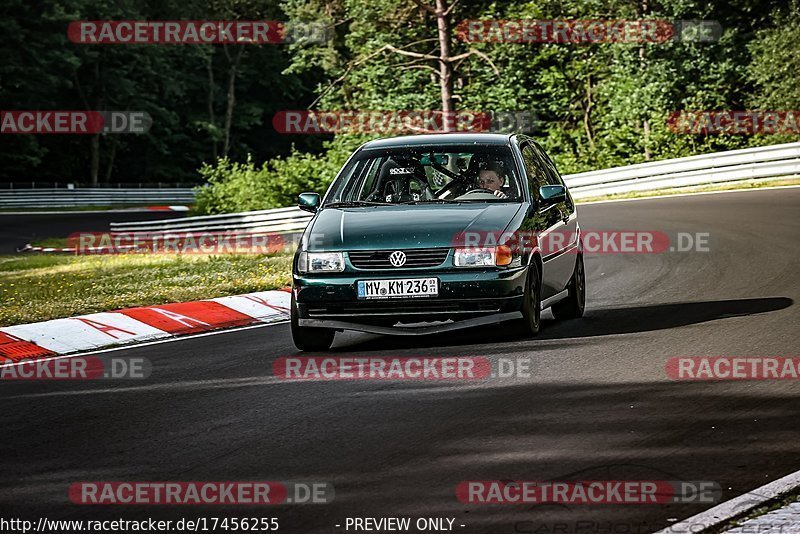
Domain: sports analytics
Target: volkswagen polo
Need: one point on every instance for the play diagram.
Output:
(430, 233)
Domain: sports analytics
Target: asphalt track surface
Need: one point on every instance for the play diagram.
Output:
(18, 229)
(598, 404)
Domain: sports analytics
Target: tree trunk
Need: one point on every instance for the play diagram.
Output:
(94, 168)
(211, 117)
(111, 157)
(587, 113)
(445, 68)
(643, 64)
(231, 96)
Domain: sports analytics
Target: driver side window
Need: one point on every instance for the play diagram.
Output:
(553, 178)
(537, 176)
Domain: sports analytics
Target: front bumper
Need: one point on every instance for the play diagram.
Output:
(467, 297)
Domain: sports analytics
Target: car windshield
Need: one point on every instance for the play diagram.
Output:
(422, 175)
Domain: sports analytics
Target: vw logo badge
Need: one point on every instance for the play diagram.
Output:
(397, 258)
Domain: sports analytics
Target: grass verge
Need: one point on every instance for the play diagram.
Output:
(36, 287)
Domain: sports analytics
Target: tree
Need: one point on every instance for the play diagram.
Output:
(776, 62)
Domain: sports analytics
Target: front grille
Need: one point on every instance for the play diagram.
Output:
(417, 257)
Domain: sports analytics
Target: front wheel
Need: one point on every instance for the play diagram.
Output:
(572, 307)
(532, 303)
(309, 338)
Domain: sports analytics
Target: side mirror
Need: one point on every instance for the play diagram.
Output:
(552, 194)
(308, 202)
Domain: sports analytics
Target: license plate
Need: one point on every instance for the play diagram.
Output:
(408, 287)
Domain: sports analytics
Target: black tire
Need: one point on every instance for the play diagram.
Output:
(572, 307)
(310, 338)
(532, 303)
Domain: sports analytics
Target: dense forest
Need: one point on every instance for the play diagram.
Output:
(596, 104)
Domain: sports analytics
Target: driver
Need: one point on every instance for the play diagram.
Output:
(492, 176)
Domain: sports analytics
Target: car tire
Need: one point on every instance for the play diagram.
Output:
(572, 307)
(532, 303)
(308, 338)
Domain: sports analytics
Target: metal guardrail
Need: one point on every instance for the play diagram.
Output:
(61, 198)
(71, 184)
(277, 220)
(761, 162)
(747, 163)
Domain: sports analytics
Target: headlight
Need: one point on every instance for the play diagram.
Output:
(483, 257)
(320, 262)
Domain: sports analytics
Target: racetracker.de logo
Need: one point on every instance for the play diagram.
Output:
(734, 122)
(587, 31)
(401, 122)
(231, 242)
(74, 122)
(201, 493)
(382, 368)
(592, 241)
(733, 368)
(587, 492)
(77, 368)
(196, 32)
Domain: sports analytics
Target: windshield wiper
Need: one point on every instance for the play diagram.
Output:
(355, 204)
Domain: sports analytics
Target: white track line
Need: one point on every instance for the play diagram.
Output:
(735, 507)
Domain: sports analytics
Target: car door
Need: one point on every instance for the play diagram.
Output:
(564, 238)
(542, 221)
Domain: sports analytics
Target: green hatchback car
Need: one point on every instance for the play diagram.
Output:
(430, 233)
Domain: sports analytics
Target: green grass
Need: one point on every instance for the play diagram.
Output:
(730, 186)
(38, 287)
(54, 242)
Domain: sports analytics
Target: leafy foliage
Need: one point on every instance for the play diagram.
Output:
(598, 105)
(232, 186)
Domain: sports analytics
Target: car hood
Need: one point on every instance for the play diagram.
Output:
(394, 227)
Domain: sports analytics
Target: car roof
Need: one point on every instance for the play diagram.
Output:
(439, 139)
